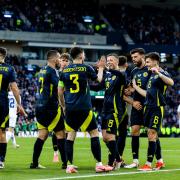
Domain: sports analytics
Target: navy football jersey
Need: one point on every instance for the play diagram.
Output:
(113, 82)
(47, 87)
(7, 75)
(75, 81)
(156, 90)
(141, 77)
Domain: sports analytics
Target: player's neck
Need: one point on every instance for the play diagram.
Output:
(52, 65)
(122, 69)
(142, 65)
(77, 61)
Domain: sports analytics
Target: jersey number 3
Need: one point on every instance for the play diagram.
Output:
(74, 78)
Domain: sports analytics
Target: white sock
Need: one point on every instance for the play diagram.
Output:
(8, 135)
(148, 163)
(13, 139)
(136, 161)
(55, 152)
(160, 160)
(99, 164)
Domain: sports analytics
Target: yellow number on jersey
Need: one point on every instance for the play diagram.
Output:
(75, 78)
(1, 76)
(139, 82)
(41, 80)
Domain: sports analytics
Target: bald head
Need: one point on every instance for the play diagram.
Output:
(52, 55)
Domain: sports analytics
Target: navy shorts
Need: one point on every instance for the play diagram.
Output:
(153, 117)
(51, 119)
(137, 117)
(82, 119)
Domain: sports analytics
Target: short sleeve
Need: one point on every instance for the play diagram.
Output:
(12, 75)
(91, 73)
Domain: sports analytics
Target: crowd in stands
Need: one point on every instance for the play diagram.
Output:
(146, 24)
(26, 79)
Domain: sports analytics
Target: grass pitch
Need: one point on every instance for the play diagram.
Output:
(18, 161)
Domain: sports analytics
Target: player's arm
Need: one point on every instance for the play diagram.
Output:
(61, 94)
(141, 91)
(167, 80)
(136, 104)
(17, 96)
(101, 66)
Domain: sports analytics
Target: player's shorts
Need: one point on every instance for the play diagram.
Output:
(12, 121)
(4, 115)
(51, 119)
(153, 117)
(136, 117)
(110, 123)
(83, 120)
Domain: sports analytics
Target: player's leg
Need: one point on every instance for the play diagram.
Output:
(70, 146)
(12, 124)
(153, 117)
(61, 147)
(136, 123)
(3, 147)
(42, 136)
(160, 163)
(4, 123)
(55, 148)
(8, 135)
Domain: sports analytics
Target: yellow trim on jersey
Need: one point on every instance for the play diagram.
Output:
(121, 90)
(117, 122)
(144, 109)
(53, 123)
(162, 114)
(86, 123)
(61, 84)
(51, 89)
(162, 111)
(5, 121)
(125, 113)
(115, 107)
(165, 87)
(68, 128)
(158, 103)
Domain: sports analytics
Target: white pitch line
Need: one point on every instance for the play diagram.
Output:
(108, 174)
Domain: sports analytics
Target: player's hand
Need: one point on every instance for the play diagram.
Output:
(21, 110)
(102, 62)
(134, 83)
(137, 105)
(155, 70)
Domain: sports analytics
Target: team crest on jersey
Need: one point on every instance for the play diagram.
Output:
(156, 76)
(113, 78)
(145, 74)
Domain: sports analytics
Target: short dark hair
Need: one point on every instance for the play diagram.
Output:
(122, 60)
(3, 52)
(51, 53)
(137, 50)
(153, 55)
(75, 52)
(113, 54)
(65, 56)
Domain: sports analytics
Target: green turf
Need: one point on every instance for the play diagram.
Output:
(18, 160)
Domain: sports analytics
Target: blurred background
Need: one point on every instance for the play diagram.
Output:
(28, 29)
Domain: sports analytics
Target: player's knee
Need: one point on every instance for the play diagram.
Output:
(152, 135)
(71, 135)
(94, 133)
(135, 131)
